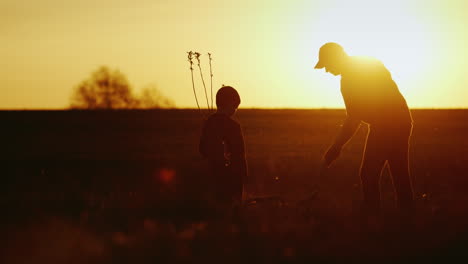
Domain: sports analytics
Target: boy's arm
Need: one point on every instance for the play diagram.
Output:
(237, 145)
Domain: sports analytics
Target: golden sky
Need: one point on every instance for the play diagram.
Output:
(265, 49)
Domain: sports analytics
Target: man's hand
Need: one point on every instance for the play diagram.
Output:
(332, 154)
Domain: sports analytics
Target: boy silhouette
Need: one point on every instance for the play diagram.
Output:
(222, 145)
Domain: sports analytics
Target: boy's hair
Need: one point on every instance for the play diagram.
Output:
(227, 95)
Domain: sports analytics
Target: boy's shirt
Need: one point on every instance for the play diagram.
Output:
(222, 143)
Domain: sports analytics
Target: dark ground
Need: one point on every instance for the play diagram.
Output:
(128, 186)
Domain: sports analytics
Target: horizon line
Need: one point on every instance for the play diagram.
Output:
(193, 108)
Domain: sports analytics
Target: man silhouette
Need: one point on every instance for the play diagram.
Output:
(371, 96)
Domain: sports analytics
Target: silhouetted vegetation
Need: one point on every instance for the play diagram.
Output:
(110, 89)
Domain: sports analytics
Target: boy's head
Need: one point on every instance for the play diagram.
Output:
(227, 100)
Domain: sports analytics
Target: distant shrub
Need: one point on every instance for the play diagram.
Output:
(110, 89)
(151, 97)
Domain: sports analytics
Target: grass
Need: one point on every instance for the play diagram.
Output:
(87, 187)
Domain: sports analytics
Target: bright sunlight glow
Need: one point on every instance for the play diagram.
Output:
(384, 30)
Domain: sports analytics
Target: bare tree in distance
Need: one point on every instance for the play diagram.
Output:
(110, 89)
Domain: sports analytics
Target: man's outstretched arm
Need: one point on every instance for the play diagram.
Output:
(346, 132)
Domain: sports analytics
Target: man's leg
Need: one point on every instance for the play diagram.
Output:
(371, 167)
(399, 167)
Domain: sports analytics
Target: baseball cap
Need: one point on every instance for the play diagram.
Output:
(327, 53)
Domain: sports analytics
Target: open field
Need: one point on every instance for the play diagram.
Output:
(127, 186)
